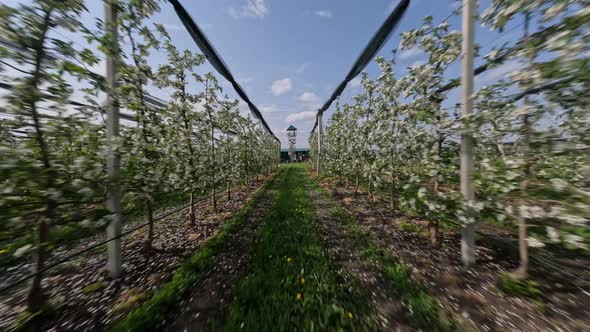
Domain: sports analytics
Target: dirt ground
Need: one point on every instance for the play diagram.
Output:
(389, 312)
(86, 300)
(472, 293)
(210, 298)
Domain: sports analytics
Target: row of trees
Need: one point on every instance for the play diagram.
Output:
(531, 129)
(53, 157)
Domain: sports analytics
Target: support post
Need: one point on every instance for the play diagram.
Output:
(114, 261)
(319, 165)
(468, 231)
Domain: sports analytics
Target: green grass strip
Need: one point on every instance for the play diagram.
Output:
(292, 287)
(426, 313)
(150, 315)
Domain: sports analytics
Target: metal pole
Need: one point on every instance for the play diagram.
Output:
(468, 231)
(319, 142)
(114, 261)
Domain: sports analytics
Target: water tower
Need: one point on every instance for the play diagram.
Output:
(292, 136)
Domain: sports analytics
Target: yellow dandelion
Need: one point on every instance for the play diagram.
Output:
(350, 315)
(302, 280)
(298, 296)
(288, 259)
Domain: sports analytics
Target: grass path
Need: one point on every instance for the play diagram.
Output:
(292, 286)
(208, 300)
(168, 307)
(314, 270)
(292, 261)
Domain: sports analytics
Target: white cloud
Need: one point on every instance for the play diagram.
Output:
(324, 13)
(301, 116)
(171, 27)
(356, 82)
(280, 87)
(410, 53)
(252, 8)
(308, 97)
(310, 100)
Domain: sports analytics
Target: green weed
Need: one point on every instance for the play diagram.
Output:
(514, 287)
(292, 286)
(150, 315)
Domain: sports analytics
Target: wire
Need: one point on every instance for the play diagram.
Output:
(547, 263)
(74, 42)
(504, 33)
(374, 45)
(101, 243)
(455, 12)
(216, 61)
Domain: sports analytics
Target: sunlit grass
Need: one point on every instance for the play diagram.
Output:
(292, 287)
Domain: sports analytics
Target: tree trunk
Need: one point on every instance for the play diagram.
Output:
(36, 297)
(392, 201)
(192, 210)
(150, 217)
(522, 271)
(214, 199)
(356, 188)
(434, 233)
(433, 224)
(228, 192)
(371, 187)
(468, 244)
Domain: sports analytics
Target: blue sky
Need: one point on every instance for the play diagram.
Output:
(289, 55)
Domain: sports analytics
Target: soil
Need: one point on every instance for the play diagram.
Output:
(87, 300)
(472, 293)
(211, 297)
(389, 313)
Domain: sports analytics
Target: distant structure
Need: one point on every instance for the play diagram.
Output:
(292, 136)
(301, 155)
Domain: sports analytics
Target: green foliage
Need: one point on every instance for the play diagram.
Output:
(514, 287)
(25, 321)
(134, 211)
(53, 155)
(532, 162)
(93, 287)
(408, 227)
(399, 275)
(292, 286)
(426, 313)
(150, 315)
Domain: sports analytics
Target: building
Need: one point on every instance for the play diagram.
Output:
(301, 155)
